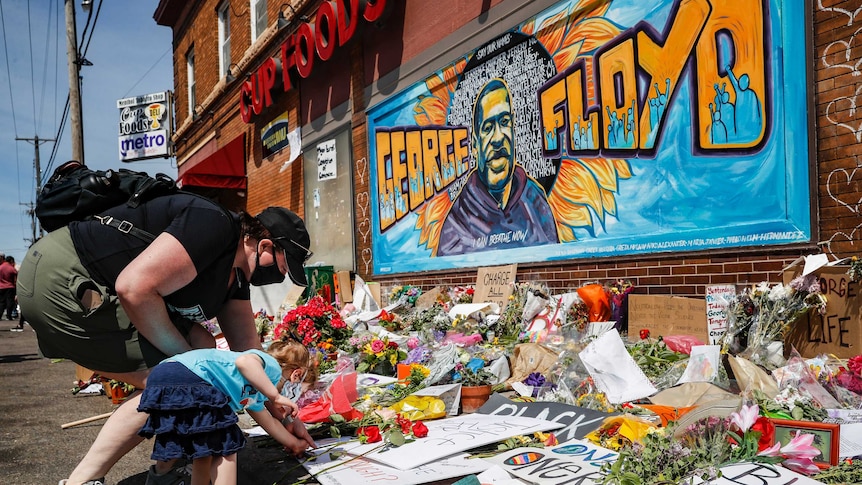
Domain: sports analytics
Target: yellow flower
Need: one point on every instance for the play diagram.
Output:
(393, 359)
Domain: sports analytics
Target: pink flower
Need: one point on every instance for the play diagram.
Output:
(412, 343)
(746, 417)
(801, 465)
(377, 346)
(800, 447)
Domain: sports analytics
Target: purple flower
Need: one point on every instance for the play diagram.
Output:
(535, 379)
(419, 355)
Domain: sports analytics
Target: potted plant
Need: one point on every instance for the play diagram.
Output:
(475, 387)
(119, 390)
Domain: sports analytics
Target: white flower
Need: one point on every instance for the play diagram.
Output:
(762, 288)
(780, 292)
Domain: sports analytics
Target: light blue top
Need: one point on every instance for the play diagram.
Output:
(218, 367)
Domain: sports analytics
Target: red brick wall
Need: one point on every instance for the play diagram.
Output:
(837, 134)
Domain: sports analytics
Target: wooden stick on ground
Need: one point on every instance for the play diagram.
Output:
(86, 420)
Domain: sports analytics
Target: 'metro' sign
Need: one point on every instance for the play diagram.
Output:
(144, 128)
(334, 24)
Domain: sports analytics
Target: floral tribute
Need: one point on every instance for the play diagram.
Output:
(765, 314)
(407, 292)
(315, 324)
(701, 449)
(380, 356)
(394, 432)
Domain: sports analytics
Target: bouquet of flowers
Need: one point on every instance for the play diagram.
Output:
(380, 356)
(432, 321)
(763, 315)
(618, 292)
(855, 270)
(390, 321)
(263, 323)
(461, 294)
(315, 324)
(395, 431)
(702, 448)
(406, 292)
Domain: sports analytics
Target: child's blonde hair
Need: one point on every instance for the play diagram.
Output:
(290, 354)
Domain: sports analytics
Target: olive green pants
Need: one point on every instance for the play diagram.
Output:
(74, 317)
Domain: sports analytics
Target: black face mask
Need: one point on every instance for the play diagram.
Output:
(265, 275)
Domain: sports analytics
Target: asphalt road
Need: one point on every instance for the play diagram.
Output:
(36, 399)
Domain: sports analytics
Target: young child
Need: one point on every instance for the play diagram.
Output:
(192, 399)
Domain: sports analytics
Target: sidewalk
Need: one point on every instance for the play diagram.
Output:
(36, 399)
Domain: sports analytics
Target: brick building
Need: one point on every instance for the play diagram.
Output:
(678, 145)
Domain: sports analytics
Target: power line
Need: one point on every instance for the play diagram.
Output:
(32, 74)
(8, 71)
(148, 71)
(45, 66)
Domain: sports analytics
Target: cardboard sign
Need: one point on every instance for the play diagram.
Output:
(667, 315)
(574, 462)
(449, 436)
(428, 298)
(361, 470)
(345, 286)
(718, 298)
(836, 332)
(578, 421)
(757, 474)
(494, 284)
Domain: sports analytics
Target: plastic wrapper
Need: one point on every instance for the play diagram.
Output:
(528, 358)
(337, 399)
(671, 377)
(423, 408)
(681, 343)
(597, 301)
(798, 375)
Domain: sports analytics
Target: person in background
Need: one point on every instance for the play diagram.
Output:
(192, 399)
(117, 304)
(14, 313)
(8, 276)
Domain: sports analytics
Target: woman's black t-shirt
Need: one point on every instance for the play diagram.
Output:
(209, 234)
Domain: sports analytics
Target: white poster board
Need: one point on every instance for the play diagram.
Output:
(757, 474)
(362, 470)
(577, 461)
(326, 166)
(718, 298)
(450, 436)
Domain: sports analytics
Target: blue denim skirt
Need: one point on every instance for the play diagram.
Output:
(188, 417)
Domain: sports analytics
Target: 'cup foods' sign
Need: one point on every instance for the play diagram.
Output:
(144, 126)
(335, 22)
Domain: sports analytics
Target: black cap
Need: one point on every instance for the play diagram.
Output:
(288, 232)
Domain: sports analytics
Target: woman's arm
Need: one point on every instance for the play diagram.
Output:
(161, 269)
(236, 321)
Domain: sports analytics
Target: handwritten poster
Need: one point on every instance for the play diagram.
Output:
(574, 462)
(449, 436)
(667, 315)
(578, 421)
(494, 284)
(718, 298)
(757, 474)
(326, 168)
(362, 470)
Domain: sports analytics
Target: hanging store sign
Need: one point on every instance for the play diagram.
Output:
(335, 23)
(144, 128)
(274, 136)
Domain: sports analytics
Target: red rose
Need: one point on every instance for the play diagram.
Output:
(369, 434)
(470, 291)
(393, 345)
(419, 429)
(767, 432)
(644, 334)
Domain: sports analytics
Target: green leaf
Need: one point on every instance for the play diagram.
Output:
(797, 413)
(336, 418)
(396, 437)
(334, 432)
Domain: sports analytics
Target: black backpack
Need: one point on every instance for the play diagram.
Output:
(75, 193)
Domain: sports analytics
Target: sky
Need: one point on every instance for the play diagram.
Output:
(131, 56)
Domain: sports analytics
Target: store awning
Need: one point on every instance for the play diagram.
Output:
(222, 168)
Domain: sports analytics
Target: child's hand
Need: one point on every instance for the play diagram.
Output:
(290, 408)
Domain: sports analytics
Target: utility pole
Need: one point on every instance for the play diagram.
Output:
(36, 141)
(73, 60)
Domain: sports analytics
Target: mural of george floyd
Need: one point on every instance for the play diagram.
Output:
(599, 129)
